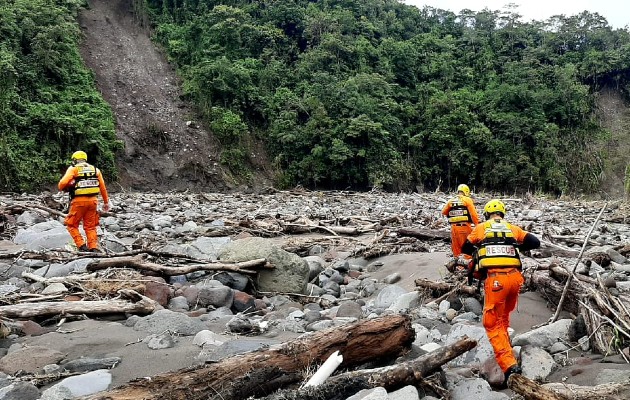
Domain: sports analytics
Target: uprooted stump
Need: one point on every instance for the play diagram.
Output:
(261, 372)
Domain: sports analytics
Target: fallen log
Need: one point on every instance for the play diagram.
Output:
(264, 371)
(427, 234)
(551, 289)
(139, 305)
(557, 272)
(532, 390)
(606, 391)
(138, 262)
(444, 287)
(344, 385)
(548, 249)
(574, 240)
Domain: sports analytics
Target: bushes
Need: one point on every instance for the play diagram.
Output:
(49, 106)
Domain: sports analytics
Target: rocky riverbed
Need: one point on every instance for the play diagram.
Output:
(338, 257)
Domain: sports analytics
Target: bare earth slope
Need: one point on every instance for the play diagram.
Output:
(161, 151)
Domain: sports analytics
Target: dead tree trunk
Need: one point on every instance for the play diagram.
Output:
(142, 305)
(444, 287)
(340, 387)
(425, 234)
(607, 391)
(264, 371)
(531, 390)
(137, 262)
(551, 289)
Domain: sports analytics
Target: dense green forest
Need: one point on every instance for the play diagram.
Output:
(49, 105)
(344, 94)
(376, 93)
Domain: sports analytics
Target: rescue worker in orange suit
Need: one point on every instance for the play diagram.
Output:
(461, 212)
(84, 182)
(497, 244)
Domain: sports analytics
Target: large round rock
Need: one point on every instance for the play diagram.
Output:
(290, 274)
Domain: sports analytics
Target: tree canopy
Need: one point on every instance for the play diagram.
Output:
(344, 94)
(381, 94)
(49, 106)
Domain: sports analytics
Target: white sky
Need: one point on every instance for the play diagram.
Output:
(616, 12)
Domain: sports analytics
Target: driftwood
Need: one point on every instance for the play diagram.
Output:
(21, 207)
(140, 305)
(138, 262)
(263, 371)
(607, 391)
(427, 234)
(551, 289)
(332, 229)
(548, 249)
(445, 287)
(340, 387)
(577, 262)
(532, 390)
(573, 240)
(561, 274)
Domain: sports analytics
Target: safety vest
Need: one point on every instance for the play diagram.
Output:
(86, 181)
(499, 248)
(458, 212)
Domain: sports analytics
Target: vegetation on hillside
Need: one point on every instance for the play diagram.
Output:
(49, 106)
(376, 93)
(344, 94)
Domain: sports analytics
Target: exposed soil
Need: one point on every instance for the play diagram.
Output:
(614, 114)
(161, 150)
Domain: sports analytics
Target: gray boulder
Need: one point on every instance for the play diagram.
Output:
(474, 388)
(315, 265)
(86, 364)
(408, 392)
(545, 336)
(162, 320)
(29, 218)
(20, 391)
(290, 273)
(388, 296)
(377, 393)
(537, 364)
(81, 385)
(477, 355)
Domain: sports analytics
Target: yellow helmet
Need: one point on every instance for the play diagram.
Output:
(79, 155)
(494, 206)
(464, 189)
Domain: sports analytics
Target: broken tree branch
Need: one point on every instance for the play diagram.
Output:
(138, 262)
(577, 262)
(442, 287)
(139, 305)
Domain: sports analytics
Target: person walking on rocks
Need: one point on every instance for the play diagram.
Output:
(496, 244)
(461, 213)
(84, 182)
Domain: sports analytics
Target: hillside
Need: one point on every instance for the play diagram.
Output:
(217, 95)
(166, 146)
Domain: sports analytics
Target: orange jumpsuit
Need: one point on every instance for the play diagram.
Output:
(501, 289)
(460, 224)
(83, 208)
